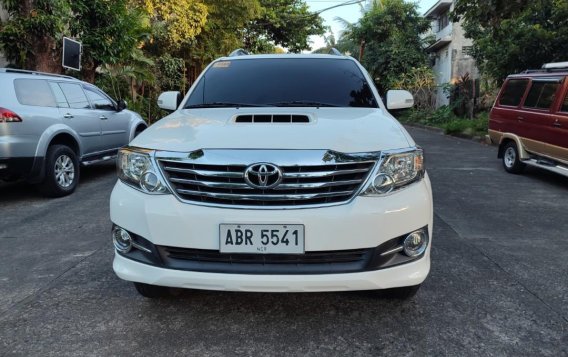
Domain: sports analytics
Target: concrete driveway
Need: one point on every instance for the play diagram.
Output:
(498, 286)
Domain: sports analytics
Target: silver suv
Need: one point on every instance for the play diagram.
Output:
(50, 124)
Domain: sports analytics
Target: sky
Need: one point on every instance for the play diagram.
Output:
(350, 13)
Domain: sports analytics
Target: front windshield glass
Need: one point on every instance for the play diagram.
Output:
(311, 82)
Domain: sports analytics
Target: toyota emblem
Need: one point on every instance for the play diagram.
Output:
(263, 176)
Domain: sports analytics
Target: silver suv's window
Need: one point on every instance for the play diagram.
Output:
(59, 96)
(75, 95)
(34, 92)
(99, 100)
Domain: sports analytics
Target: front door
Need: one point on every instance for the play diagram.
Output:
(115, 125)
(76, 112)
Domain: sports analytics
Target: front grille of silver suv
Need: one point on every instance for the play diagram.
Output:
(296, 178)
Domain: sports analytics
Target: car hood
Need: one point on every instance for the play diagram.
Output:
(346, 130)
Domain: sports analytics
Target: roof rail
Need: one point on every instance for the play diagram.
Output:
(239, 52)
(555, 65)
(334, 51)
(13, 70)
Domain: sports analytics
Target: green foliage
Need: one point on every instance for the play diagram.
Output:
(391, 36)
(31, 37)
(109, 31)
(445, 119)
(171, 73)
(287, 23)
(511, 36)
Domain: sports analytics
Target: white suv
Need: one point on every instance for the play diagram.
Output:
(275, 173)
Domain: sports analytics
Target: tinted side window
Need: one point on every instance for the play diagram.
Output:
(59, 96)
(541, 95)
(34, 92)
(99, 100)
(75, 96)
(513, 92)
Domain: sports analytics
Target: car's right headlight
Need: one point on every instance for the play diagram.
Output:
(137, 169)
(397, 169)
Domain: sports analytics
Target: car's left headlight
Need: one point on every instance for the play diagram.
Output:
(137, 169)
(397, 169)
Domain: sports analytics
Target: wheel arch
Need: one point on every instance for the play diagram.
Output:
(506, 138)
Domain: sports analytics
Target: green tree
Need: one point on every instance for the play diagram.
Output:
(31, 37)
(109, 30)
(511, 36)
(287, 23)
(390, 31)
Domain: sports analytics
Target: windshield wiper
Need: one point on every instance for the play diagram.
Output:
(303, 103)
(223, 105)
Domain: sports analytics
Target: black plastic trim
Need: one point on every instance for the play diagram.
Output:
(211, 261)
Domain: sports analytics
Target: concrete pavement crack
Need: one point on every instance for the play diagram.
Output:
(12, 308)
(512, 277)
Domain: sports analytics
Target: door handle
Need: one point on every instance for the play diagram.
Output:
(557, 124)
(102, 117)
(520, 118)
(68, 116)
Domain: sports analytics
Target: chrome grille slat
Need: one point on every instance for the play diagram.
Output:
(307, 181)
(292, 186)
(268, 197)
(321, 173)
(229, 185)
(206, 173)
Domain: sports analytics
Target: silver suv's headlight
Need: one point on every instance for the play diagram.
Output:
(136, 168)
(396, 170)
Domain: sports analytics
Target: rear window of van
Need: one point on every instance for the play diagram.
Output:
(542, 94)
(513, 92)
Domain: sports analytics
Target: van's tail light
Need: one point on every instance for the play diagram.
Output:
(8, 116)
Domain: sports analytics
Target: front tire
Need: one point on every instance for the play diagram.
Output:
(511, 159)
(152, 291)
(61, 172)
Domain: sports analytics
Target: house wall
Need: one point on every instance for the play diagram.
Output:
(450, 63)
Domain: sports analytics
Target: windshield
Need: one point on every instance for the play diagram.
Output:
(306, 82)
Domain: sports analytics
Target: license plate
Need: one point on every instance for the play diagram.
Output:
(261, 238)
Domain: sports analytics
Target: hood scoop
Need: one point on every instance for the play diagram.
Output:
(273, 118)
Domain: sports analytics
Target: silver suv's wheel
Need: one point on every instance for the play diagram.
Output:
(511, 161)
(61, 171)
(64, 171)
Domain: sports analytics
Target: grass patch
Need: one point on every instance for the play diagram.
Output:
(445, 119)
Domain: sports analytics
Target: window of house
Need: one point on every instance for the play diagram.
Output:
(542, 94)
(467, 50)
(513, 92)
(443, 21)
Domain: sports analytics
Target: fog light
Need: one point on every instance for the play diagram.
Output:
(383, 183)
(415, 243)
(121, 240)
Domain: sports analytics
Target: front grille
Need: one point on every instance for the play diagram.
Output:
(322, 262)
(300, 185)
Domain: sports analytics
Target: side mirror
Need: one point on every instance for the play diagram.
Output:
(121, 105)
(169, 100)
(399, 99)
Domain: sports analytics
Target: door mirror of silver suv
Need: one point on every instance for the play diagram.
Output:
(399, 99)
(169, 100)
(121, 105)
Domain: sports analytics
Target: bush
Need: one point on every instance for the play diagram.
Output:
(444, 118)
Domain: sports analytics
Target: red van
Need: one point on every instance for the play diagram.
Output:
(529, 120)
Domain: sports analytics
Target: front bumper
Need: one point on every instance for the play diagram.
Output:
(365, 222)
(403, 275)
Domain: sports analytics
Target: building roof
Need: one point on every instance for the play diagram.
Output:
(438, 8)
